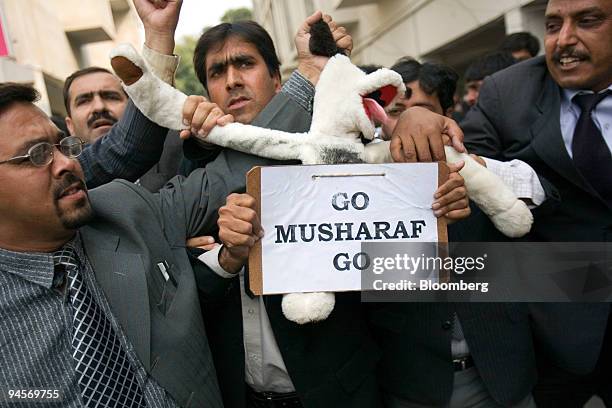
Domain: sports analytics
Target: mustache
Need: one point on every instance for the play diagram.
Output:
(571, 52)
(68, 180)
(103, 114)
(239, 94)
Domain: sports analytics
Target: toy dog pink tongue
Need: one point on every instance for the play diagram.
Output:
(374, 110)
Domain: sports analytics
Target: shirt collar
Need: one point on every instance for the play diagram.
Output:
(568, 94)
(35, 267)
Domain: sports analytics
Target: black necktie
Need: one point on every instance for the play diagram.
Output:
(590, 152)
(104, 372)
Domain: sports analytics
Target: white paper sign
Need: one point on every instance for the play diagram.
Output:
(316, 217)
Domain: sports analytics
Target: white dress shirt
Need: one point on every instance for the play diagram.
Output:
(264, 366)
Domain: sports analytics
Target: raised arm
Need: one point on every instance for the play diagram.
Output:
(135, 144)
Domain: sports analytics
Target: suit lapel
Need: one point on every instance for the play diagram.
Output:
(547, 140)
(122, 277)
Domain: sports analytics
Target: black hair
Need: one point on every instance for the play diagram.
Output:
(488, 65)
(368, 69)
(322, 40)
(248, 31)
(60, 122)
(11, 92)
(437, 79)
(75, 75)
(521, 41)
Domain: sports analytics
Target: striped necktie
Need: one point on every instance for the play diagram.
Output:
(105, 376)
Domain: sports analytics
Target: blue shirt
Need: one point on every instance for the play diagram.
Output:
(570, 112)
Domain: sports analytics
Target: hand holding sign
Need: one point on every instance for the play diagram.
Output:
(239, 230)
(451, 199)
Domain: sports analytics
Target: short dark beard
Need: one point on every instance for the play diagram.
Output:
(78, 216)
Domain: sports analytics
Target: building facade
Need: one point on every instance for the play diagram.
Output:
(44, 41)
(453, 32)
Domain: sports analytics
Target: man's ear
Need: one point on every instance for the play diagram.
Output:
(449, 112)
(70, 125)
(277, 83)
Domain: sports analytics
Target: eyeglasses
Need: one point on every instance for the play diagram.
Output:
(41, 154)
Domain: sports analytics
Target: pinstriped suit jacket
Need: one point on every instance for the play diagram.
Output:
(523, 122)
(416, 339)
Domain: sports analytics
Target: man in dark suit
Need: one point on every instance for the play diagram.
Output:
(553, 114)
(262, 359)
(241, 74)
(451, 354)
(168, 165)
(535, 112)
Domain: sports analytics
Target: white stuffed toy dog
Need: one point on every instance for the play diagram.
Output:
(341, 115)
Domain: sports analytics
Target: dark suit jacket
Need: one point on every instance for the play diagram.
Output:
(518, 117)
(415, 339)
(168, 164)
(331, 363)
(133, 231)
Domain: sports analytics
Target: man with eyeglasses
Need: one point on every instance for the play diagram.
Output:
(98, 301)
(41, 153)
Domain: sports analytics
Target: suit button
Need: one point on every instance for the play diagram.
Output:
(447, 325)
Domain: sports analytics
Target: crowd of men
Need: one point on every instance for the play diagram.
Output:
(124, 286)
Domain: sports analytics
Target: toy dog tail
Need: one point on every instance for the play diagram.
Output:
(322, 41)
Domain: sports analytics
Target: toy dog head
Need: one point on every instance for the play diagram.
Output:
(344, 104)
(349, 102)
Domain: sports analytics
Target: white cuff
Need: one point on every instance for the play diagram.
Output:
(520, 177)
(163, 66)
(211, 259)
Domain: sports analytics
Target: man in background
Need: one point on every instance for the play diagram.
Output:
(95, 102)
(521, 45)
(482, 68)
(428, 85)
